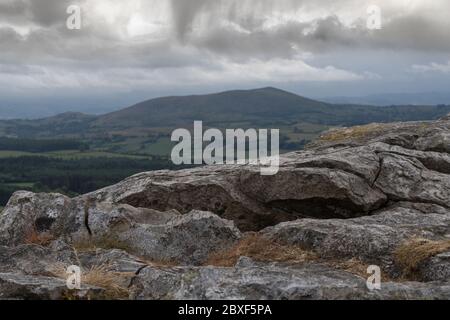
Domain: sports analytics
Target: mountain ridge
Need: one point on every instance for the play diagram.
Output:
(262, 107)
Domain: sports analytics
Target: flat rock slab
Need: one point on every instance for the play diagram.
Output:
(251, 281)
(20, 286)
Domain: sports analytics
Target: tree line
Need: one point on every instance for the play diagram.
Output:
(41, 145)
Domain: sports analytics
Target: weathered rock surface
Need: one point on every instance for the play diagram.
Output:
(272, 281)
(188, 239)
(310, 185)
(35, 259)
(357, 193)
(372, 239)
(423, 136)
(159, 236)
(19, 286)
(436, 268)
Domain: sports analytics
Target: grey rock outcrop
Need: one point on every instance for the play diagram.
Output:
(372, 239)
(272, 281)
(159, 236)
(436, 268)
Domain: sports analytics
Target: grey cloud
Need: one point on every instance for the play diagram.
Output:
(249, 38)
(48, 12)
(45, 13)
(184, 13)
(416, 30)
(329, 34)
(204, 33)
(12, 8)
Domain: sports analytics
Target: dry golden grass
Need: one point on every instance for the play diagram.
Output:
(159, 263)
(260, 248)
(32, 236)
(354, 266)
(415, 251)
(100, 276)
(354, 133)
(106, 242)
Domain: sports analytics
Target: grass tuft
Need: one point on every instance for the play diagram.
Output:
(259, 248)
(100, 276)
(412, 253)
(354, 133)
(32, 236)
(89, 244)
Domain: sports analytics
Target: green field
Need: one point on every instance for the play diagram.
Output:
(24, 185)
(13, 154)
(294, 137)
(70, 172)
(69, 154)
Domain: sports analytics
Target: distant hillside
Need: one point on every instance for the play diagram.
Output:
(267, 107)
(40, 107)
(267, 104)
(388, 99)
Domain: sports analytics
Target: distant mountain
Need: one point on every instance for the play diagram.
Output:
(266, 107)
(9, 110)
(267, 104)
(388, 99)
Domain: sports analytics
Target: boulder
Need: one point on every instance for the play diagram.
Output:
(413, 181)
(188, 239)
(159, 236)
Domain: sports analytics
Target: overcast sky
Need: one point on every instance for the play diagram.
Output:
(130, 50)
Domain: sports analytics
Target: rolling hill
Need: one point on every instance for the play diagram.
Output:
(266, 107)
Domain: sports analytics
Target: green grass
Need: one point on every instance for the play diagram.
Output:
(139, 146)
(14, 154)
(161, 148)
(70, 154)
(24, 185)
(143, 147)
(75, 154)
